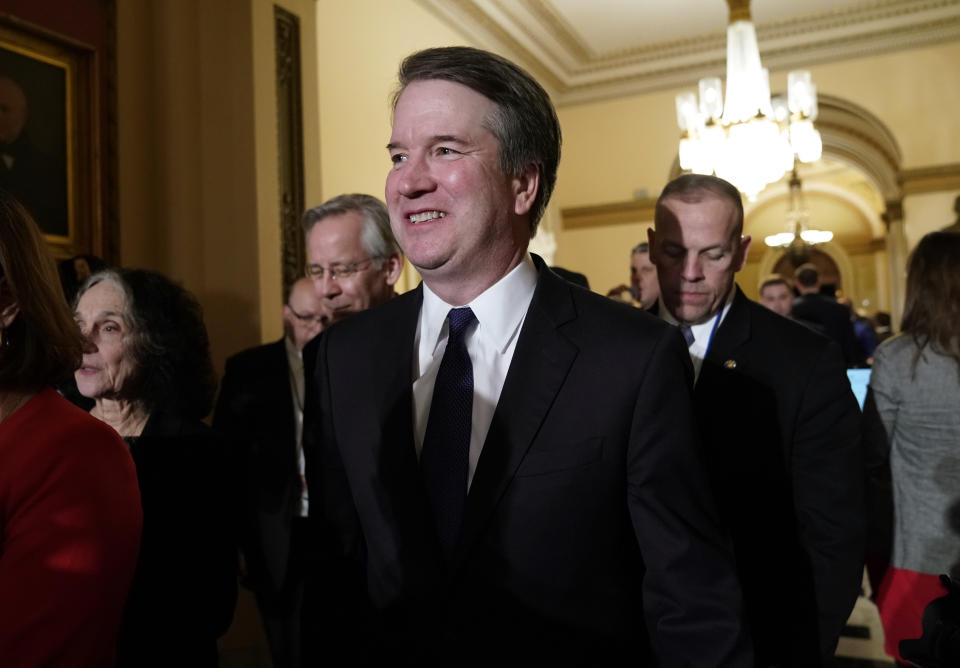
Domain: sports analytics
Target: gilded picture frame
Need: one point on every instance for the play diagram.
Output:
(49, 131)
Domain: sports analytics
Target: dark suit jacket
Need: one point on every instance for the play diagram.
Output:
(781, 428)
(831, 318)
(590, 536)
(255, 414)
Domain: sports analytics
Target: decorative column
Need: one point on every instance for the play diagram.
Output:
(896, 258)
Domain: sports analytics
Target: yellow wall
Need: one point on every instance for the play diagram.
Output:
(911, 92)
(928, 212)
(197, 152)
(601, 253)
(359, 46)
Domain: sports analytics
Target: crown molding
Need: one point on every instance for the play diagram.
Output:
(930, 179)
(540, 39)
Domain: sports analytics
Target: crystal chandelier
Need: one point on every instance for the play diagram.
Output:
(799, 238)
(749, 139)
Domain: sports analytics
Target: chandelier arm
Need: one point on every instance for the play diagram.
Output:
(747, 138)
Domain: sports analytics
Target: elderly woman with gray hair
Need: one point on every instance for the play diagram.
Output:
(148, 370)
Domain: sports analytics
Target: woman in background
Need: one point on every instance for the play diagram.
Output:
(912, 432)
(149, 372)
(69, 506)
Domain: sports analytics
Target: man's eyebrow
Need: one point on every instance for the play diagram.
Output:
(676, 244)
(435, 139)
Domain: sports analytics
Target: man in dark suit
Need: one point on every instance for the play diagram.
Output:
(825, 314)
(779, 423)
(510, 457)
(259, 412)
(354, 263)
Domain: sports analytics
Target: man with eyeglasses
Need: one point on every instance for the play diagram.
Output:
(353, 264)
(354, 261)
(260, 412)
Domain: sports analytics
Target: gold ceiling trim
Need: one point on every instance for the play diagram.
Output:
(615, 213)
(478, 18)
(561, 30)
(930, 179)
(914, 181)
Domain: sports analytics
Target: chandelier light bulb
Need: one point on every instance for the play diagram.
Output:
(687, 111)
(816, 236)
(711, 98)
(781, 239)
(802, 94)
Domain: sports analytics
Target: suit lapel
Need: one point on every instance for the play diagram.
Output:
(397, 462)
(540, 364)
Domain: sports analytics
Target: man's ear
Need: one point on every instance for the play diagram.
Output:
(525, 188)
(652, 243)
(392, 268)
(744, 247)
(8, 305)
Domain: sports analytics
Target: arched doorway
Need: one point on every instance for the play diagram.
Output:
(831, 279)
(854, 137)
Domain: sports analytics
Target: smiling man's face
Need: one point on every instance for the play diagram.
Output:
(457, 217)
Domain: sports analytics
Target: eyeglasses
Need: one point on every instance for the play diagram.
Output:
(307, 318)
(338, 271)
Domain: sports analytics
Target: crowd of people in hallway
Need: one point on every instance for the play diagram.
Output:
(498, 462)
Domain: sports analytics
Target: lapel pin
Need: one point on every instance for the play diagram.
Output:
(730, 364)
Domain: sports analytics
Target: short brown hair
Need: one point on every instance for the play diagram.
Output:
(807, 274)
(695, 187)
(43, 345)
(774, 279)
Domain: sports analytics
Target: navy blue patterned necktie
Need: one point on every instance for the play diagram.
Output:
(444, 458)
(687, 335)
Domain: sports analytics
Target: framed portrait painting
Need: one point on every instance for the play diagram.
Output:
(48, 131)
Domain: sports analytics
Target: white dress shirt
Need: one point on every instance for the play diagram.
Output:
(295, 365)
(702, 333)
(500, 311)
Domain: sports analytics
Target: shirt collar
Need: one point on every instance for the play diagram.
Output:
(702, 331)
(499, 309)
(292, 352)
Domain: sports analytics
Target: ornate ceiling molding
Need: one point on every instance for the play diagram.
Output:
(536, 34)
(930, 179)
